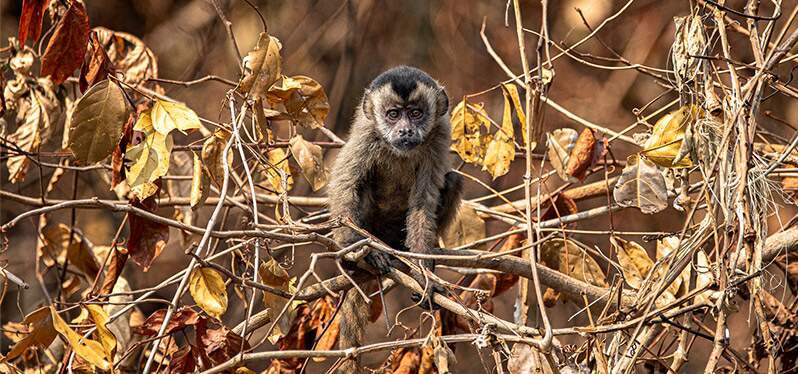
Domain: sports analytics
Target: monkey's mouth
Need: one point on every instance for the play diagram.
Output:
(405, 144)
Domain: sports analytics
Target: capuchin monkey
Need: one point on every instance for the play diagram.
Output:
(393, 178)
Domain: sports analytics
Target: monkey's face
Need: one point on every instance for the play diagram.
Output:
(404, 118)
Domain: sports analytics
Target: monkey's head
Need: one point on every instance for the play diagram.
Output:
(405, 104)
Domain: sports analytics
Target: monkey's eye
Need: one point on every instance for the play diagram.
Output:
(416, 113)
(393, 114)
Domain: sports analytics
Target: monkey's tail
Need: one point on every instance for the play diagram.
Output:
(354, 317)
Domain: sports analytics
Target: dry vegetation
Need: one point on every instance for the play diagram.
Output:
(631, 169)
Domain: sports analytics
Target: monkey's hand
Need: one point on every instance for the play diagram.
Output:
(379, 261)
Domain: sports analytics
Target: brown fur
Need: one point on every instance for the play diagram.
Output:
(403, 198)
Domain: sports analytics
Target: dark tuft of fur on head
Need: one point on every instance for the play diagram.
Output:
(403, 80)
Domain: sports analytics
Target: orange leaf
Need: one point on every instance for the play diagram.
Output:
(30, 21)
(67, 47)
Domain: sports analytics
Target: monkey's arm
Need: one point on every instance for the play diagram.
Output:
(422, 223)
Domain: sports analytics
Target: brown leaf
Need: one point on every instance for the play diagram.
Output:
(96, 125)
(304, 100)
(634, 260)
(180, 319)
(641, 185)
(467, 227)
(560, 144)
(527, 359)
(582, 155)
(97, 68)
(40, 333)
(184, 361)
(67, 47)
(79, 252)
(792, 276)
(129, 55)
(264, 64)
(114, 269)
(30, 21)
(118, 173)
(212, 153)
(217, 342)
(309, 158)
(147, 238)
(37, 113)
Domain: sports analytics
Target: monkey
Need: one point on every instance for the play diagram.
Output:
(393, 178)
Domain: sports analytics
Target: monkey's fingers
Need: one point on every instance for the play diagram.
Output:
(379, 261)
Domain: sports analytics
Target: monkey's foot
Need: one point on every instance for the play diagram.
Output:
(380, 261)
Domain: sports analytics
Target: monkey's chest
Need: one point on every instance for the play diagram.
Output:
(391, 195)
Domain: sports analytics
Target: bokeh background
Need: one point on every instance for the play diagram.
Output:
(343, 45)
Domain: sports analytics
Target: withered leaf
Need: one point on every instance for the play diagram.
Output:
(30, 21)
(41, 333)
(468, 123)
(309, 158)
(79, 253)
(560, 143)
(118, 173)
(130, 56)
(567, 257)
(149, 159)
(278, 173)
(527, 359)
(212, 153)
(167, 116)
(670, 141)
(96, 125)
(114, 269)
(511, 90)
(67, 47)
(105, 336)
(90, 350)
(147, 238)
(641, 185)
(207, 288)
(36, 112)
(304, 100)
(501, 149)
(634, 261)
(264, 64)
(200, 183)
(97, 68)
(582, 155)
(217, 342)
(181, 319)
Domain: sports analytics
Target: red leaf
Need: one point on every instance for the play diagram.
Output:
(98, 67)
(147, 238)
(582, 155)
(184, 361)
(67, 47)
(115, 267)
(218, 343)
(30, 21)
(181, 319)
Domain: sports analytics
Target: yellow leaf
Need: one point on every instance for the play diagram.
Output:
(275, 276)
(309, 158)
(264, 64)
(278, 167)
(167, 116)
(668, 145)
(78, 251)
(303, 98)
(90, 350)
(200, 183)
(634, 261)
(145, 190)
(41, 333)
(501, 150)
(107, 338)
(209, 291)
(511, 90)
(150, 158)
(467, 126)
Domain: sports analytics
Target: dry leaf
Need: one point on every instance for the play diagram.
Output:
(468, 122)
(309, 158)
(150, 158)
(467, 227)
(304, 100)
(96, 125)
(79, 252)
(106, 337)
(147, 238)
(560, 143)
(67, 47)
(207, 288)
(641, 185)
(40, 334)
(511, 90)
(581, 156)
(30, 20)
(200, 183)
(669, 144)
(634, 261)
(501, 149)
(130, 56)
(97, 68)
(90, 350)
(36, 113)
(167, 116)
(567, 257)
(264, 65)
(212, 153)
(181, 319)
(688, 43)
(278, 172)
(526, 359)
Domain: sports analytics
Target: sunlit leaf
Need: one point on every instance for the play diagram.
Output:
(560, 143)
(279, 171)
(501, 149)
(212, 153)
(90, 350)
(304, 100)
(309, 158)
(263, 63)
(129, 55)
(668, 145)
(30, 20)
(106, 337)
(150, 158)
(511, 90)
(641, 185)
(468, 123)
(67, 46)
(634, 261)
(40, 334)
(96, 125)
(207, 288)
(167, 116)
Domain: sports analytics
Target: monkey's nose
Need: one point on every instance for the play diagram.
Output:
(405, 132)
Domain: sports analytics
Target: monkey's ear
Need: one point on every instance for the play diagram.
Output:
(442, 102)
(368, 106)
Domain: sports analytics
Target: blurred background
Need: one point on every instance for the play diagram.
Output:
(345, 44)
